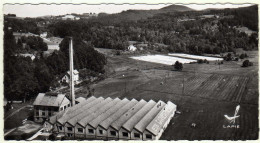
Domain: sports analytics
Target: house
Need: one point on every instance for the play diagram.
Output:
(44, 34)
(131, 48)
(46, 104)
(28, 55)
(70, 17)
(66, 77)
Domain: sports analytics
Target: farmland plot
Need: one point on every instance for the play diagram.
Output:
(209, 86)
(166, 60)
(196, 57)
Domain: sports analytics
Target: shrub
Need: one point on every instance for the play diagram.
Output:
(178, 65)
(247, 63)
(200, 61)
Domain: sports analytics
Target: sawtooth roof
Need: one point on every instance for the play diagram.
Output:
(143, 123)
(158, 122)
(129, 125)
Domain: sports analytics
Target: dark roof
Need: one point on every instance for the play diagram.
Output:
(50, 99)
(119, 122)
(143, 123)
(129, 125)
(161, 118)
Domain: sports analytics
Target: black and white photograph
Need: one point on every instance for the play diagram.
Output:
(130, 71)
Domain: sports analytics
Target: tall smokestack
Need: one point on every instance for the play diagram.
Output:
(72, 95)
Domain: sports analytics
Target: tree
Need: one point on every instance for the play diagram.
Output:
(178, 66)
(247, 63)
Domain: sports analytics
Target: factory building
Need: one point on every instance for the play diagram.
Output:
(112, 119)
(104, 118)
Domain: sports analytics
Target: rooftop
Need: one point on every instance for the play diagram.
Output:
(129, 125)
(50, 99)
(119, 122)
(143, 123)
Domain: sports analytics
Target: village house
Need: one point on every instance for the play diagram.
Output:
(70, 17)
(46, 104)
(66, 77)
(132, 48)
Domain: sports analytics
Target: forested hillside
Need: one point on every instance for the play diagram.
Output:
(178, 28)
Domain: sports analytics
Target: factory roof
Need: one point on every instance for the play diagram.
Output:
(68, 116)
(143, 123)
(161, 118)
(129, 125)
(107, 122)
(112, 110)
(84, 121)
(87, 112)
(119, 122)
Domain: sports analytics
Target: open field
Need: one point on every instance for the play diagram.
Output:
(195, 57)
(167, 60)
(210, 91)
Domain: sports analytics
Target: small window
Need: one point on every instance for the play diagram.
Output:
(91, 131)
(61, 108)
(68, 105)
(148, 136)
(136, 135)
(69, 128)
(80, 130)
(125, 134)
(113, 133)
(69, 135)
(65, 107)
(101, 132)
(43, 113)
(60, 127)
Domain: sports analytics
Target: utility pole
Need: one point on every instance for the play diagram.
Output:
(183, 85)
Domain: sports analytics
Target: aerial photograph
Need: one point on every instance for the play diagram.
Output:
(118, 72)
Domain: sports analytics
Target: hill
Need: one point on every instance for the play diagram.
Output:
(134, 15)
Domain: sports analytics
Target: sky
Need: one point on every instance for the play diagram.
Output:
(43, 9)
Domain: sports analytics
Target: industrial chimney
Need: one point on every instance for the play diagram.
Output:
(72, 95)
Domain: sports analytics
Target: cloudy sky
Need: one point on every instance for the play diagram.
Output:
(41, 10)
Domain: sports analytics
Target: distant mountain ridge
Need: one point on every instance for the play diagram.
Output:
(134, 15)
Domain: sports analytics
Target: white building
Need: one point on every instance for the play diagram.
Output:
(66, 77)
(70, 17)
(132, 48)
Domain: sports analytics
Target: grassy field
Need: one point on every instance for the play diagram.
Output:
(210, 91)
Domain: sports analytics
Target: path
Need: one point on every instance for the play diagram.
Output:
(9, 131)
(15, 112)
(35, 135)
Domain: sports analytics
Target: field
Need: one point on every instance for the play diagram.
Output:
(167, 60)
(210, 91)
(195, 57)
